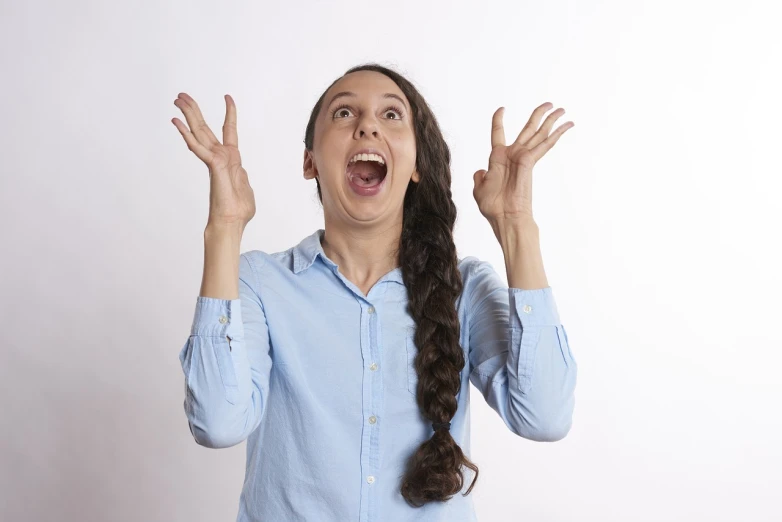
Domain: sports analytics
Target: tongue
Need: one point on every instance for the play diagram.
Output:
(366, 173)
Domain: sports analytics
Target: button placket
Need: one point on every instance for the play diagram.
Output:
(225, 365)
(373, 325)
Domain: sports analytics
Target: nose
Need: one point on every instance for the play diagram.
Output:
(367, 125)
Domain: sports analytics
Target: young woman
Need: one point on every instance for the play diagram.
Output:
(344, 361)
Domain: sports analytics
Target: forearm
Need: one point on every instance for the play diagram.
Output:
(222, 249)
(520, 242)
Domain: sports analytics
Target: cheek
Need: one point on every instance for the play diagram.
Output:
(405, 147)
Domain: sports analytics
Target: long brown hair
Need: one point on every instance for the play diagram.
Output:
(427, 256)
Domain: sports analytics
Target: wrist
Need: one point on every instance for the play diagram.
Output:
(513, 232)
(214, 229)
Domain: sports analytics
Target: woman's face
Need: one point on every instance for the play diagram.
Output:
(376, 115)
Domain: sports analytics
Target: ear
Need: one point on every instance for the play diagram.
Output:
(416, 176)
(310, 170)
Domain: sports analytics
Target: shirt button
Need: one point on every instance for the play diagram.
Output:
(373, 367)
(223, 319)
(527, 309)
(372, 419)
(371, 309)
(370, 479)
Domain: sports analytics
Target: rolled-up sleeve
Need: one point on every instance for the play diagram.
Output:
(226, 363)
(520, 357)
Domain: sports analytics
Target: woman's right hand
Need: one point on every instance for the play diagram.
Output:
(231, 199)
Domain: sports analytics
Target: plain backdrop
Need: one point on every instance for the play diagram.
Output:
(659, 216)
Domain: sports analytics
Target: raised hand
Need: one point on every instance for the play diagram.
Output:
(504, 192)
(231, 199)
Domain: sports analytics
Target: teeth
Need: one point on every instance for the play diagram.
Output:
(366, 157)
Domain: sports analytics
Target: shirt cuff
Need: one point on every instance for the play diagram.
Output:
(217, 317)
(532, 307)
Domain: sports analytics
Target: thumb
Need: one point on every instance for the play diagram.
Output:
(478, 176)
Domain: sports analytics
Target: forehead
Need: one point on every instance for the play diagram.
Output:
(367, 85)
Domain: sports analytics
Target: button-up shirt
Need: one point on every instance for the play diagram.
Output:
(319, 379)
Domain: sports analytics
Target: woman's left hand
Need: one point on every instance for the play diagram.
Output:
(504, 192)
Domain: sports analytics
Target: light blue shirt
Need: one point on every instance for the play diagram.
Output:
(319, 379)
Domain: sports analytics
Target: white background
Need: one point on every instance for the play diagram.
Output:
(659, 216)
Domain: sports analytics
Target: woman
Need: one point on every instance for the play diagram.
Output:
(344, 361)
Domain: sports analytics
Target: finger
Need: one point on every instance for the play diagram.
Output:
(230, 135)
(539, 150)
(544, 129)
(497, 130)
(199, 150)
(478, 176)
(195, 120)
(532, 125)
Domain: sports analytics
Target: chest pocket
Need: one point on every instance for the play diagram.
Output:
(412, 375)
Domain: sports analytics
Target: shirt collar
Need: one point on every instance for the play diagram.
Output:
(305, 253)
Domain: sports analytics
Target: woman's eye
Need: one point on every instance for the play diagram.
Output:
(339, 112)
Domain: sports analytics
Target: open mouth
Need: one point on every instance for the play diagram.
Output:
(366, 173)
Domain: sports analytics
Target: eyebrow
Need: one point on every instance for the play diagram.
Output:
(353, 94)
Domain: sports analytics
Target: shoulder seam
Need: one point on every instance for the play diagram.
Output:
(470, 272)
(255, 269)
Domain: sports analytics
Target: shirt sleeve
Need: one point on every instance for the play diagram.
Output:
(520, 357)
(227, 365)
